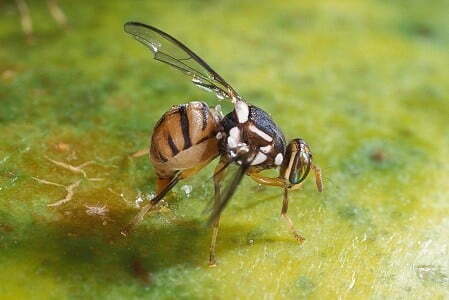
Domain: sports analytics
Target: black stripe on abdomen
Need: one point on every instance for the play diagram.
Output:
(185, 126)
(162, 157)
(172, 145)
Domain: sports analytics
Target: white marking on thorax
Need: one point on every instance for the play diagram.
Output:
(234, 137)
(219, 136)
(242, 148)
(278, 159)
(260, 158)
(260, 133)
(235, 133)
(266, 149)
(242, 110)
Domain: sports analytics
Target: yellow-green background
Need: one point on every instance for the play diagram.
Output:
(366, 83)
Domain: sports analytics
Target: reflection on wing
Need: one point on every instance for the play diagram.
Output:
(229, 191)
(169, 50)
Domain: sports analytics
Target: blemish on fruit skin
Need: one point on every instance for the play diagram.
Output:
(140, 272)
(378, 156)
(6, 228)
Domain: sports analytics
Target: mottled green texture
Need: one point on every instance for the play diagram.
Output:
(366, 83)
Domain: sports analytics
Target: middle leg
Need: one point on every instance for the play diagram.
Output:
(212, 256)
(219, 174)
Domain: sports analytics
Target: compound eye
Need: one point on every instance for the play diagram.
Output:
(300, 167)
(297, 162)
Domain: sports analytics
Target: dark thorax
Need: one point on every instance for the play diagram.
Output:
(250, 128)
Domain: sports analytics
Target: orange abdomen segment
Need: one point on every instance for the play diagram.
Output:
(184, 138)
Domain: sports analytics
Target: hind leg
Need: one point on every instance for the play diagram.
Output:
(163, 187)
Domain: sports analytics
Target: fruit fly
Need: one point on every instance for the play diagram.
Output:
(189, 136)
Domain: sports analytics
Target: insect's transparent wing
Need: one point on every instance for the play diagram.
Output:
(169, 50)
(234, 179)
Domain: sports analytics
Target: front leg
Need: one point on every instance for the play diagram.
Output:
(280, 182)
(271, 181)
(318, 178)
(292, 228)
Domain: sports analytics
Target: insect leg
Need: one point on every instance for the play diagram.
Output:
(57, 13)
(161, 183)
(276, 181)
(219, 174)
(150, 206)
(212, 257)
(295, 233)
(318, 178)
(228, 193)
(25, 18)
(281, 183)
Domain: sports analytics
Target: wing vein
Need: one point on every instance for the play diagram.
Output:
(169, 50)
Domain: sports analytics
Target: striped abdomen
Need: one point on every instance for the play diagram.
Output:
(184, 138)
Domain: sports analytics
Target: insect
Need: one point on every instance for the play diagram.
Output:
(189, 136)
